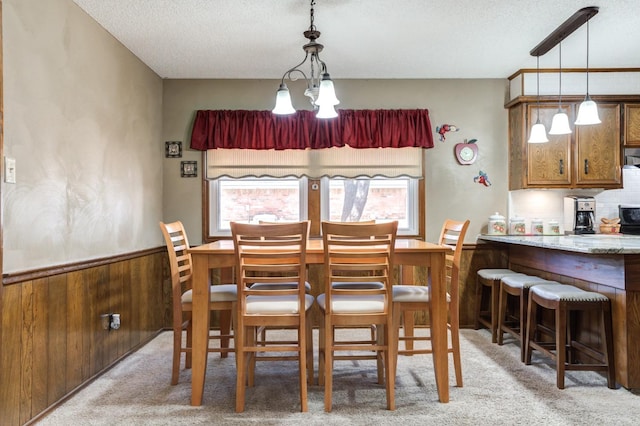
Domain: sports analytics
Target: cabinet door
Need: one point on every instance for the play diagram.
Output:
(548, 164)
(598, 150)
(632, 125)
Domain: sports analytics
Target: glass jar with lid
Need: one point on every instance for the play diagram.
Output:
(517, 226)
(497, 225)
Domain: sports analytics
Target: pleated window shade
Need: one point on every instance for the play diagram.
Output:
(343, 162)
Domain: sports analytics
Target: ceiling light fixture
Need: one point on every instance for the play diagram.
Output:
(588, 110)
(320, 88)
(560, 123)
(538, 133)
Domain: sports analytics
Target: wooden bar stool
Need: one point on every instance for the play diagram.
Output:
(566, 300)
(489, 278)
(516, 285)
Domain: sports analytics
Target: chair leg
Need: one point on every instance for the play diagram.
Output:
(187, 358)
(251, 337)
(607, 343)
(321, 353)
(455, 346)
(408, 322)
(225, 330)
(479, 291)
(302, 367)
(309, 348)
(177, 345)
(397, 317)
(494, 312)
(502, 312)
(241, 369)
(524, 301)
(532, 316)
(381, 337)
(561, 342)
(328, 366)
(390, 374)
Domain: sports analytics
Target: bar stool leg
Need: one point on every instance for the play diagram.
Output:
(561, 340)
(607, 339)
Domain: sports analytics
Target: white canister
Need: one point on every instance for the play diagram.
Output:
(554, 227)
(537, 227)
(517, 226)
(497, 224)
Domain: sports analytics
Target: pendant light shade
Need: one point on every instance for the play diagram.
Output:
(588, 111)
(538, 133)
(560, 123)
(283, 101)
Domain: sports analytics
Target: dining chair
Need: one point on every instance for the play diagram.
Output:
(273, 254)
(411, 298)
(222, 298)
(357, 253)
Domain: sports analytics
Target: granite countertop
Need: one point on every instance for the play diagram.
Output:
(587, 243)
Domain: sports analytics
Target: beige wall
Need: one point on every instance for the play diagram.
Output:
(83, 121)
(475, 106)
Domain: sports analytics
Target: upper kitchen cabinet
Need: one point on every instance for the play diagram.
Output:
(632, 125)
(589, 157)
(598, 153)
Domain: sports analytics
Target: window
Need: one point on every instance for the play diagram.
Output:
(255, 199)
(287, 199)
(379, 199)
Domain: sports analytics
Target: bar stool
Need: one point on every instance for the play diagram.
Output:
(516, 285)
(489, 278)
(565, 300)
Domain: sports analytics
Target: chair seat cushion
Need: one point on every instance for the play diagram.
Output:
(280, 286)
(276, 305)
(494, 274)
(354, 304)
(566, 293)
(217, 293)
(413, 293)
(524, 281)
(357, 285)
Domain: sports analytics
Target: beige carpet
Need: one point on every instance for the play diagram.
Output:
(498, 389)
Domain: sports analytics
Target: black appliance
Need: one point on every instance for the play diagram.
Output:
(579, 215)
(629, 218)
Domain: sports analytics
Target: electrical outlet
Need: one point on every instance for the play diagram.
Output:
(9, 170)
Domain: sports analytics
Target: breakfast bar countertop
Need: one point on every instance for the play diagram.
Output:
(580, 243)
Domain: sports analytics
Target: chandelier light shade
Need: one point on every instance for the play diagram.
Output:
(560, 123)
(588, 110)
(320, 89)
(538, 133)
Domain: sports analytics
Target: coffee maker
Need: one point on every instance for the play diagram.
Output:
(579, 215)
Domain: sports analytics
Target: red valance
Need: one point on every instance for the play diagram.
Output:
(242, 129)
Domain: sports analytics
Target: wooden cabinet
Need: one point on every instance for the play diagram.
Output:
(598, 158)
(590, 157)
(632, 125)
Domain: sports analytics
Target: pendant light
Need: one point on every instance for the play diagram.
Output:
(538, 133)
(320, 88)
(588, 110)
(560, 123)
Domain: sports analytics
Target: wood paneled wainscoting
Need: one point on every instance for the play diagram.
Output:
(53, 342)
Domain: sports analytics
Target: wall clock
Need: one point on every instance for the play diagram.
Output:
(466, 152)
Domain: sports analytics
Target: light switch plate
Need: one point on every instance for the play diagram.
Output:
(9, 170)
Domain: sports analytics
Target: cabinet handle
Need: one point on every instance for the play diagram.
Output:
(586, 166)
(561, 168)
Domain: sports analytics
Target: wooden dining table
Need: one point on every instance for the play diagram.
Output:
(408, 252)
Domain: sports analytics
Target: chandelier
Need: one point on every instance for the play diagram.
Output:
(319, 89)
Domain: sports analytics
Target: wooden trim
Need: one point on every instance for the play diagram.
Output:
(18, 277)
(572, 98)
(568, 70)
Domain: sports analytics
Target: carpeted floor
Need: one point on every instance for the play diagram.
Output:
(498, 390)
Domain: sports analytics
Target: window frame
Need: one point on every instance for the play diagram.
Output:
(311, 204)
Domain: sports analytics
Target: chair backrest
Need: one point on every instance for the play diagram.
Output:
(359, 253)
(452, 235)
(177, 243)
(270, 253)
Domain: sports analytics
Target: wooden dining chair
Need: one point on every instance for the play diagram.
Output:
(411, 298)
(357, 253)
(222, 298)
(274, 254)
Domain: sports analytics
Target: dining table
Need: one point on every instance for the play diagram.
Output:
(408, 252)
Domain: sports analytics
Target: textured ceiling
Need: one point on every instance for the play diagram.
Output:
(365, 39)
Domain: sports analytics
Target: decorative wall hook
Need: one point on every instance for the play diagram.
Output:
(444, 129)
